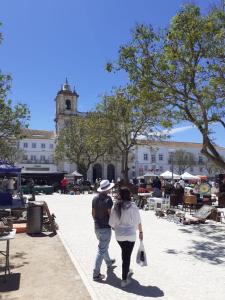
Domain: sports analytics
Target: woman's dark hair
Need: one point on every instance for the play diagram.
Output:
(124, 197)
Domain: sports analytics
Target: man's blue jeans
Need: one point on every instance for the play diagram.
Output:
(104, 236)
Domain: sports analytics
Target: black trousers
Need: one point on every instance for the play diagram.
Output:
(127, 248)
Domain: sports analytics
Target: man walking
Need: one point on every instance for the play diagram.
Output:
(101, 208)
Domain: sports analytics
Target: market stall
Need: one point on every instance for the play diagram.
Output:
(10, 183)
(169, 175)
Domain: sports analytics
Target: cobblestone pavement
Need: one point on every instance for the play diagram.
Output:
(184, 262)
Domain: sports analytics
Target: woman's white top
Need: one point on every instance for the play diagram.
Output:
(125, 227)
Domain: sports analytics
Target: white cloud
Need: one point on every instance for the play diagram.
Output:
(166, 132)
(178, 129)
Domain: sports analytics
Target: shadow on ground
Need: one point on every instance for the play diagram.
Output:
(135, 287)
(42, 234)
(212, 247)
(18, 260)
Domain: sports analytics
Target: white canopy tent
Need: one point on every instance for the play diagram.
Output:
(150, 174)
(168, 175)
(73, 176)
(76, 174)
(188, 176)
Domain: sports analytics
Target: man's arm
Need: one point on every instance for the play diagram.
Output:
(110, 205)
(93, 212)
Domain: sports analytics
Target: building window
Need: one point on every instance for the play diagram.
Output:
(201, 169)
(42, 146)
(42, 157)
(146, 168)
(33, 145)
(161, 168)
(33, 157)
(153, 158)
(25, 145)
(68, 104)
(145, 156)
(161, 157)
(51, 146)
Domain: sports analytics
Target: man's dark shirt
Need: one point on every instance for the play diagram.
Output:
(101, 203)
(222, 188)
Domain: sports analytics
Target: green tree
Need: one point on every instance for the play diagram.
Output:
(12, 118)
(182, 160)
(125, 118)
(185, 66)
(81, 142)
(211, 168)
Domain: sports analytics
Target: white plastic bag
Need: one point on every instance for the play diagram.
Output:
(141, 258)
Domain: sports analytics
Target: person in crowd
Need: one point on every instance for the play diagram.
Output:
(181, 182)
(179, 191)
(5, 184)
(64, 183)
(168, 189)
(125, 220)
(101, 209)
(222, 186)
(10, 185)
(156, 184)
(30, 185)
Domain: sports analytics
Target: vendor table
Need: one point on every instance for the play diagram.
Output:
(45, 189)
(158, 203)
(5, 253)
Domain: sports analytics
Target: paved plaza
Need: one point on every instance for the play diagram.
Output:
(184, 262)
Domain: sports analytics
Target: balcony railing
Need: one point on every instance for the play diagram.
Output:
(38, 161)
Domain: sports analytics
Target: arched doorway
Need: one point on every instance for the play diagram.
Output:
(97, 172)
(111, 172)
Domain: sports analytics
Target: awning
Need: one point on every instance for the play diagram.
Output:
(7, 168)
(150, 174)
(169, 175)
(188, 176)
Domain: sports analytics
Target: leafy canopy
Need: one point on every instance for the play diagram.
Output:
(184, 66)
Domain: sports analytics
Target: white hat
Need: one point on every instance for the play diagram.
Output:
(105, 185)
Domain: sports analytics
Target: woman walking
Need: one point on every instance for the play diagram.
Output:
(125, 220)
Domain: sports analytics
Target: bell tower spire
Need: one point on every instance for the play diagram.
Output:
(66, 105)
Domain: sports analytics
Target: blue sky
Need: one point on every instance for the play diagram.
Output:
(48, 40)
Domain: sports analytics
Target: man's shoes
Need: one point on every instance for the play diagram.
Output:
(98, 277)
(112, 262)
(126, 282)
(130, 273)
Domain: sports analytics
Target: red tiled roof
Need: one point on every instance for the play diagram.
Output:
(38, 134)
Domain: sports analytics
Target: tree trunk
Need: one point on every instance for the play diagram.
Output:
(83, 170)
(125, 168)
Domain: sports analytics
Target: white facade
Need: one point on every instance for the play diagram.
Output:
(37, 151)
(39, 146)
(155, 157)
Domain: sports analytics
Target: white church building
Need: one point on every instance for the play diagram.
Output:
(39, 145)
